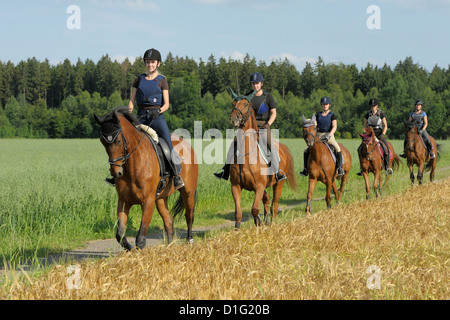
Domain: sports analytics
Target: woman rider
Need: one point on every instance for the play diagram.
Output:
(376, 119)
(420, 117)
(150, 91)
(265, 110)
(326, 127)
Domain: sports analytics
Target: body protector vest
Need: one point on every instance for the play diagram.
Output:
(374, 120)
(418, 118)
(148, 92)
(262, 111)
(324, 122)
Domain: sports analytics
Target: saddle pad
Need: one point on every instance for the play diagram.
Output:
(381, 151)
(332, 153)
(266, 157)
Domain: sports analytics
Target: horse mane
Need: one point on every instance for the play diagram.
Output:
(125, 112)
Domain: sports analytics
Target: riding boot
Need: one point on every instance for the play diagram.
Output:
(275, 166)
(430, 148)
(304, 172)
(176, 170)
(225, 173)
(111, 181)
(339, 162)
(386, 162)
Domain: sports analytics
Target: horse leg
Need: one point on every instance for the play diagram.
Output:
(189, 205)
(312, 184)
(267, 211)
(328, 196)
(420, 173)
(163, 209)
(366, 181)
(236, 192)
(335, 190)
(433, 168)
(343, 183)
(259, 192)
(147, 213)
(123, 209)
(277, 188)
(411, 173)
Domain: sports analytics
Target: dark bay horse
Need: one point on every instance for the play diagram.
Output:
(321, 166)
(371, 160)
(249, 171)
(134, 164)
(417, 154)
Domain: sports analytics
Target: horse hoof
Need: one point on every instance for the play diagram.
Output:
(190, 240)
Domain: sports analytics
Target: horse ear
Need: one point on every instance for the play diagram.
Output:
(250, 97)
(313, 118)
(233, 94)
(362, 136)
(303, 119)
(97, 118)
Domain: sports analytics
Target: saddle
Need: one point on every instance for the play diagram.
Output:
(382, 147)
(332, 150)
(162, 153)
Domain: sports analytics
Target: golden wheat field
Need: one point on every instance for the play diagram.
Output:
(396, 247)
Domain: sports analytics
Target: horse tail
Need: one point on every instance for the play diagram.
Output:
(292, 182)
(396, 162)
(178, 207)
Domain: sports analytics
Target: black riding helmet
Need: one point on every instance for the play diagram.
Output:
(152, 54)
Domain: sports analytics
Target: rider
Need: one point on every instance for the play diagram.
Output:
(264, 106)
(420, 117)
(326, 127)
(376, 119)
(150, 91)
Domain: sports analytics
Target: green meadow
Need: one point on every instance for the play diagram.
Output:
(53, 198)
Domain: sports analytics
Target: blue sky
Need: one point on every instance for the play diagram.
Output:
(301, 30)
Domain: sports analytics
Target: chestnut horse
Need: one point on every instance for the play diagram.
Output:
(417, 154)
(248, 171)
(321, 166)
(371, 160)
(134, 163)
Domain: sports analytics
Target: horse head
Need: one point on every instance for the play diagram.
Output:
(309, 130)
(368, 138)
(411, 129)
(113, 140)
(242, 110)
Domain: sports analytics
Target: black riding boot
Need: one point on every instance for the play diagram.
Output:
(176, 170)
(430, 148)
(304, 172)
(386, 162)
(111, 181)
(339, 162)
(225, 173)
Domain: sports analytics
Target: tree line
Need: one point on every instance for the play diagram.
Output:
(40, 100)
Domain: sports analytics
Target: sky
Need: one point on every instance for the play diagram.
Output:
(347, 31)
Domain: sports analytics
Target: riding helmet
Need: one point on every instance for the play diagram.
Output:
(325, 100)
(418, 102)
(256, 77)
(152, 54)
(373, 102)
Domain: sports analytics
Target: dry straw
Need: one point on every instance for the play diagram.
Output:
(327, 256)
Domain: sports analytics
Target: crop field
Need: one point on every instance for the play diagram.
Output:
(53, 198)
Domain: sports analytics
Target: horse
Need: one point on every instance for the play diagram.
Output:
(321, 166)
(417, 154)
(249, 173)
(135, 166)
(371, 160)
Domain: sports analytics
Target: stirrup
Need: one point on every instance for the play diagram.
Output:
(304, 172)
(340, 172)
(432, 155)
(402, 155)
(178, 182)
(359, 173)
(280, 176)
(389, 171)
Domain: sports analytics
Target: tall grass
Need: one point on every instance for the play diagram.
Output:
(53, 198)
(331, 255)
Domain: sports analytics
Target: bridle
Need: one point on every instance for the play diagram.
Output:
(369, 153)
(125, 154)
(413, 140)
(242, 117)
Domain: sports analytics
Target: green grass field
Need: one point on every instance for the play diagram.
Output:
(53, 198)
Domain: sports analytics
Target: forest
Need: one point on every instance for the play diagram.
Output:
(40, 100)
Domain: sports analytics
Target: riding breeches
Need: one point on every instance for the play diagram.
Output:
(331, 141)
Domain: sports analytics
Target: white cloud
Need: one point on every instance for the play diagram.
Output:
(121, 58)
(132, 5)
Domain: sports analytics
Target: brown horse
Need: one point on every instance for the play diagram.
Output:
(321, 166)
(248, 171)
(417, 154)
(371, 160)
(134, 164)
